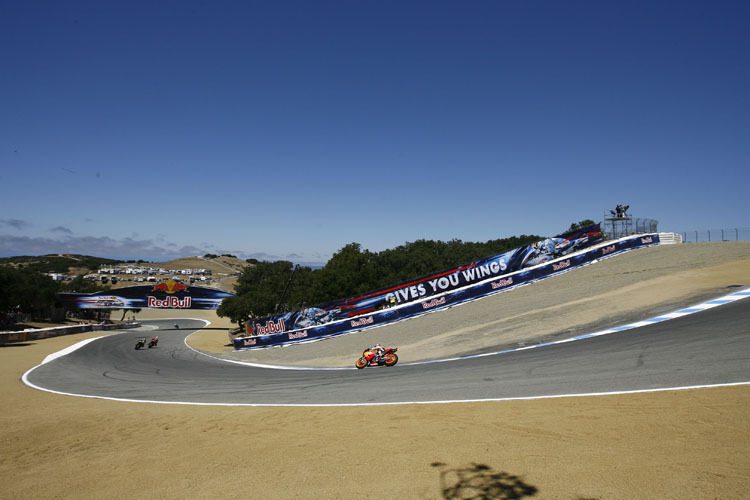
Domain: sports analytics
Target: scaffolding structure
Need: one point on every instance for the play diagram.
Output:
(618, 224)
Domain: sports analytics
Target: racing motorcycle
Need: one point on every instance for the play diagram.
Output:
(153, 342)
(141, 342)
(370, 358)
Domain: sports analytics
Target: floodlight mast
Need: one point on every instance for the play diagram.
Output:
(280, 305)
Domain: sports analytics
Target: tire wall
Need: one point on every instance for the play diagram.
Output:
(43, 333)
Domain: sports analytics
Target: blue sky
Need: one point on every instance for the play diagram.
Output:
(289, 129)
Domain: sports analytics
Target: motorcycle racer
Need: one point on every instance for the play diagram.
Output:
(377, 355)
(378, 350)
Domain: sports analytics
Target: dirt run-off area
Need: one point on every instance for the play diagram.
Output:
(687, 444)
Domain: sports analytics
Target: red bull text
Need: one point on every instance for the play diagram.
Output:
(170, 302)
(270, 327)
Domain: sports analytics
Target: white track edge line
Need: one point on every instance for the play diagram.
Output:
(394, 403)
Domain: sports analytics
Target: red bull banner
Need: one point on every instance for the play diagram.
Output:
(273, 333)
(421, 289)
(169, 294)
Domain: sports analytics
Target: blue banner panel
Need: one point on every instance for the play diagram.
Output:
(274, 333)
(170, 294)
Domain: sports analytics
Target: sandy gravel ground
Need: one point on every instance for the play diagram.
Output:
(668, 445)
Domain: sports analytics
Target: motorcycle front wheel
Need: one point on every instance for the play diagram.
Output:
(361, 363)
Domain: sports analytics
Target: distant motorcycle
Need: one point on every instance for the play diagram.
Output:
(140, 343)
(371, 358)
(153, 342)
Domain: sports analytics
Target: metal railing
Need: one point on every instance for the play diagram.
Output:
(624, 224)
(709, 235)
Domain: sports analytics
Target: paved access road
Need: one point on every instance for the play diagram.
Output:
(705, 348)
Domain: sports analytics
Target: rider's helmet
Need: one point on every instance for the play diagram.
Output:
(377, 346)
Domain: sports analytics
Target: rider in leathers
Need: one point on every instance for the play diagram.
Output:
(378, 350)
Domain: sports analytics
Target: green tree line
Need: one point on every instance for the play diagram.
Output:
(29, 292)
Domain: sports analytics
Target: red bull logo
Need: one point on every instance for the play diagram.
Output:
(298, 335)
(501, 283)
(561, 265)
(170, 287)
(362, 322)
(433, 303)
(170, 302)
(269, 328)
(608, 249)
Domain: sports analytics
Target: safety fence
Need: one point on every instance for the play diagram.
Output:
(711, 235)
(479, 290)
(58, 331)
(620, 227)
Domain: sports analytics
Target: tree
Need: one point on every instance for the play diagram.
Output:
(258, 290)
(27, 291)
(580, 225)
(238, 308)
(345, 274)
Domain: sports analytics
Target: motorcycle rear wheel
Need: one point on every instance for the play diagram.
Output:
(390, 359)
(361, 363)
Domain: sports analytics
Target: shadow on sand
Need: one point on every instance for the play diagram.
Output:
(17, 344)
(481, 482)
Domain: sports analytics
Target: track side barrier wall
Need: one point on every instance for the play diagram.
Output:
(58, 331)
(422, 288)
(449, 299)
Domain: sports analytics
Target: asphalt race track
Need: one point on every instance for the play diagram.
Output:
(706, 348)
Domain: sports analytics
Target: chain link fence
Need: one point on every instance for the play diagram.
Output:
(708, 235)
(625, 225)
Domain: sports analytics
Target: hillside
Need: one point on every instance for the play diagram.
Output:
(667, 445)
(224, 268)
(57, 263)
(73, 264)
(222, 264)
(629, 287)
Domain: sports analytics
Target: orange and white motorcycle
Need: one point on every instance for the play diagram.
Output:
(371, 358)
